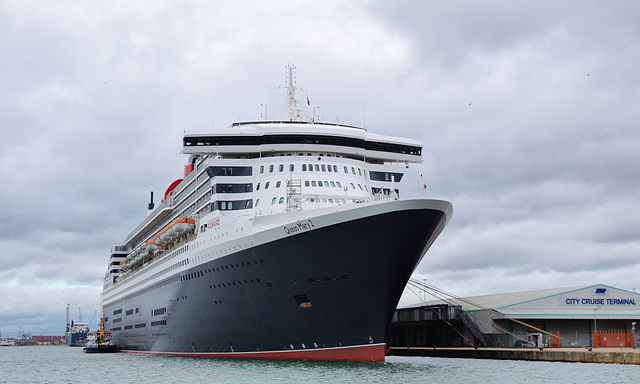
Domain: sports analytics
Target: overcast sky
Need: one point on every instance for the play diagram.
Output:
(529, 112)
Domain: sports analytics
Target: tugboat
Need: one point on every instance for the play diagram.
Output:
(99, 341)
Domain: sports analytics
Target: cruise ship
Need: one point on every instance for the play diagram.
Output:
(282, 239)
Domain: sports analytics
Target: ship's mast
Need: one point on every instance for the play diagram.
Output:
(291, 96)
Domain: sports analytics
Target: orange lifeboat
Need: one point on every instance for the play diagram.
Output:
(158, 240)
(182, 225)
(151, 245)
(165, 236)
(170, 231)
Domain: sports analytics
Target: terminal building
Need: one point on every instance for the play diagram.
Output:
(522, 319)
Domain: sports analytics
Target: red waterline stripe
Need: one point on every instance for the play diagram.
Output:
(369, 352)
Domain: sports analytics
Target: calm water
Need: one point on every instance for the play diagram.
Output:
(71, 365)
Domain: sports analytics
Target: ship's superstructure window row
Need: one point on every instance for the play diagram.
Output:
(231, 205)
(232, 188)
(229, 171)
(385, 176)
(320, 168)
(342, 141)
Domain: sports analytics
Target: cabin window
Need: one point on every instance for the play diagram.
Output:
(359, 172)
(266, 185)
(247, 204)
(278, 184)
(317, 168)
(324, 168)
(310, 167)
(326, 184)
(257, 202)
(306, 183)
(271, 168)
(304, 167)
(258, 187)
(385, 176)
(281, 200)
(313, 183)
(281, 168)
(345, 169)
(352, 186)
(360, 187)
(291, 167)
(353, 170)
(273, 201)
(338, 184)
(262, 169)
(333, 184)
(229, 171)
(319, 183)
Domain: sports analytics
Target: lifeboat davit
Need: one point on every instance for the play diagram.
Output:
(182, 225)
(151, 246)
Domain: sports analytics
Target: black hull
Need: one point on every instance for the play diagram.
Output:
(100, 348)
(331, 287)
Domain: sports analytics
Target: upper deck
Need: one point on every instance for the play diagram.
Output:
(257, 139)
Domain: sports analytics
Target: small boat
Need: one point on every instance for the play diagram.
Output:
(99, 341)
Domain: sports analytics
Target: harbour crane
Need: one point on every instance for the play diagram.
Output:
(93, 318)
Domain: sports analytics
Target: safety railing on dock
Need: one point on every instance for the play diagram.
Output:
(612, 339)
(554, 340)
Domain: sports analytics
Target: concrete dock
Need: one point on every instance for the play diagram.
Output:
(572, 355)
